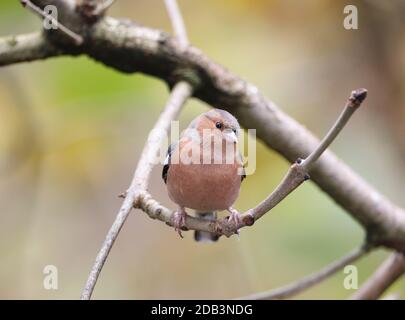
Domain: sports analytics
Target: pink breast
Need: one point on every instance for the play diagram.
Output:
(205, 187)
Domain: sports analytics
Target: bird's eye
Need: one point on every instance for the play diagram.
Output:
(218, 125)
(234, 130)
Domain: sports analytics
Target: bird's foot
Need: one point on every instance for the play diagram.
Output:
(234, 218)
(179, 220)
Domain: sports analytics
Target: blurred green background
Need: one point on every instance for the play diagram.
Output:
(71, 131)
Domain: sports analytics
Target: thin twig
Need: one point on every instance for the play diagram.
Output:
(177, 21)
(179, 95)
(354, 101)
(74, 36)
(311, 280)
(389, 272)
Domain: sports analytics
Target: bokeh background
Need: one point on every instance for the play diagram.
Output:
(71, 131)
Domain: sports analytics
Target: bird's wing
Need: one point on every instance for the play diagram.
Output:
(185, 137)
(166, 164)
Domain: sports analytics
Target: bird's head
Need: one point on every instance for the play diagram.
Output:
(221, 124)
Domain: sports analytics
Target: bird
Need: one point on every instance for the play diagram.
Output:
(204, 169)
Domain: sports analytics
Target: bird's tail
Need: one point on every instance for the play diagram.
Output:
(203, 236)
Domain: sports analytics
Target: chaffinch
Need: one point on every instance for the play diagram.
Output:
(204, 169)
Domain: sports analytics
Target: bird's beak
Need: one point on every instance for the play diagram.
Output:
(230, 136)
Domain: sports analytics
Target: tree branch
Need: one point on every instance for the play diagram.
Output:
(26, 47)
(128, 47)
(181, 92)
(389, 272)
(131, 48)
(311, 280)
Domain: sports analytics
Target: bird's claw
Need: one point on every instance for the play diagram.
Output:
(234, 217)
(179, 221)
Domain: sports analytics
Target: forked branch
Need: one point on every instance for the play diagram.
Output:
(297, 174)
